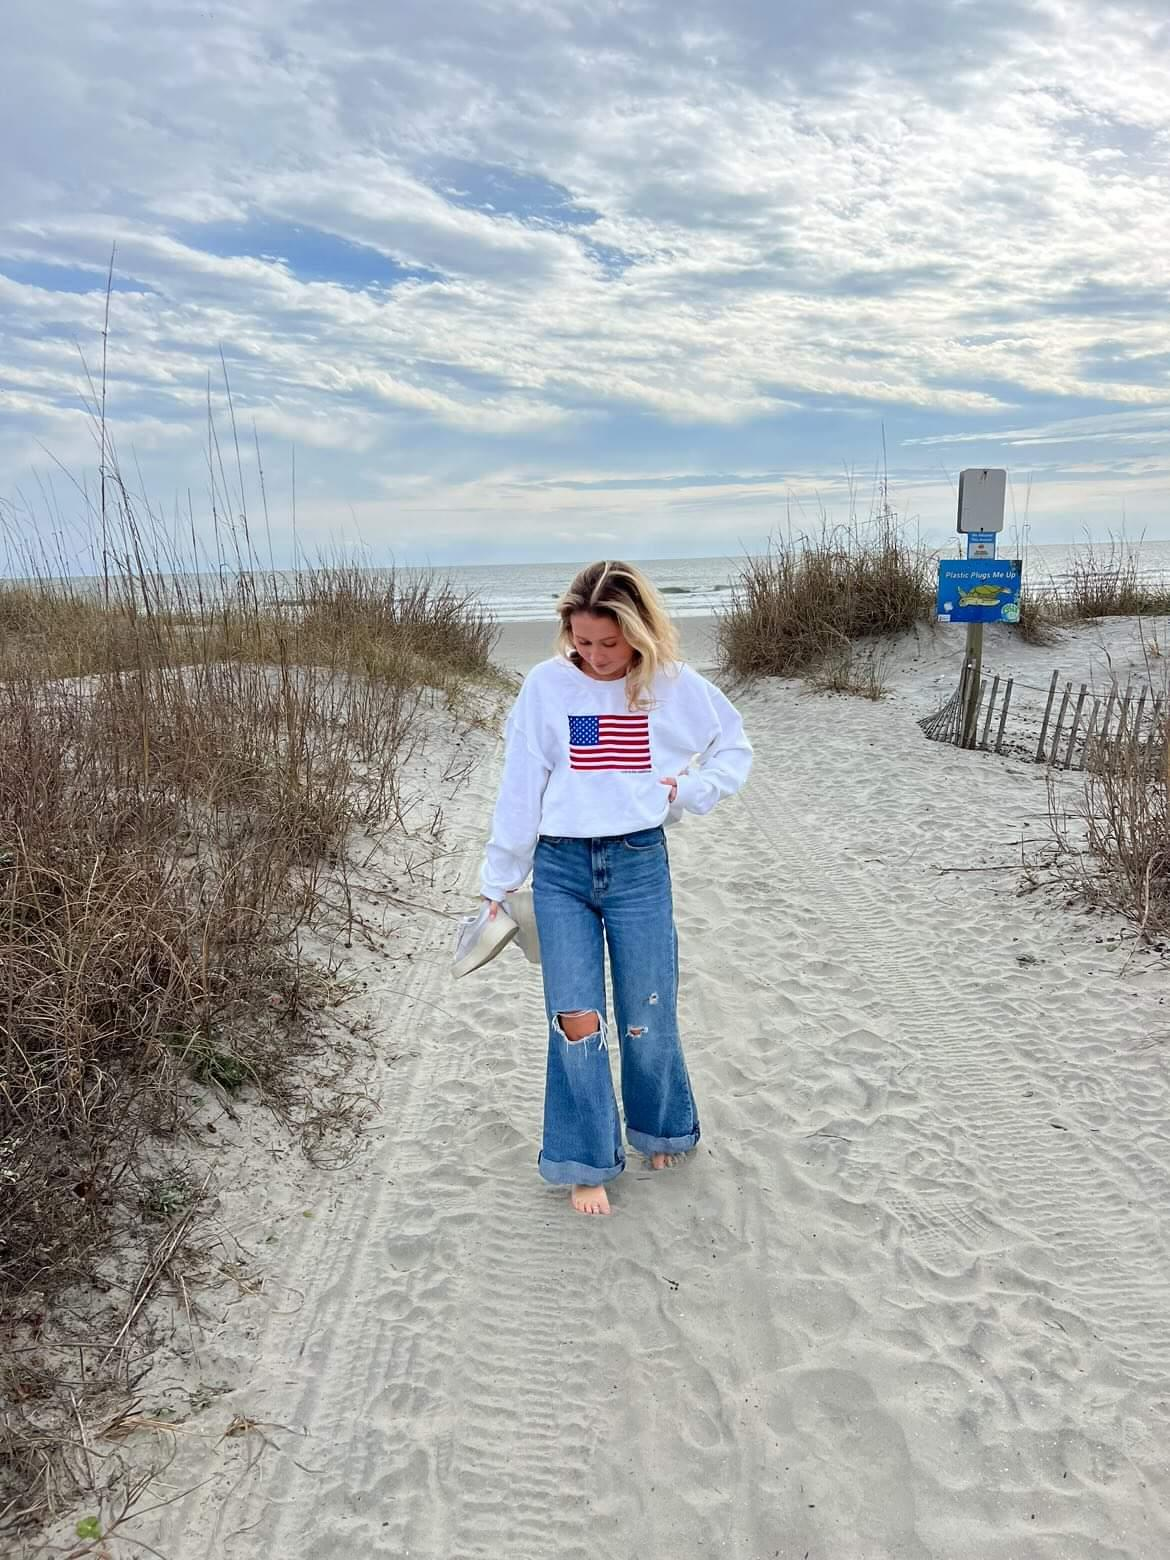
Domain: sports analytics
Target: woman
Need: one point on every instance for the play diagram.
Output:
(598, 745)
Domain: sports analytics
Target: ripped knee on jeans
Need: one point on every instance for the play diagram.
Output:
(579, 1025)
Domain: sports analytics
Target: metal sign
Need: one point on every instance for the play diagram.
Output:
(982, 495)
(973, 591)
(981, 544)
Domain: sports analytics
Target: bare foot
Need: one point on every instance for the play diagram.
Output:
(590, 1199)
(664, 1161)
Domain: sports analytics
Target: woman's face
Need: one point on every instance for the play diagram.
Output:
(601, 644)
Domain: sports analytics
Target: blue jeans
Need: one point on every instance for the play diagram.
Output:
(619, 888)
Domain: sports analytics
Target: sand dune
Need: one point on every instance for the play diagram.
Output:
(909, 1299)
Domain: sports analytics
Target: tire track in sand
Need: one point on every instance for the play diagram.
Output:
(439, 1370)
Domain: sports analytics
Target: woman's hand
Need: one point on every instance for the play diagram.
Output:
(672, 782)
(495, 905)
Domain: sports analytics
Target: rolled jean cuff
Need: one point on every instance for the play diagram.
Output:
(567, 1172)
(645, 1144)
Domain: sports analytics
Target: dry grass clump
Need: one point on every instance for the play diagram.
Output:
(187, 742)
(390, 623)
(53, 630)
(802, 602)
(393, 626)
(19, 609)
(163, 833)
(1124, 865)
(1039, 618)
(177, 772)
(1111, 585)
(1102, 582)
(847, 670)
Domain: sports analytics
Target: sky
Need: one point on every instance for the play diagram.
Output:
(496, 280)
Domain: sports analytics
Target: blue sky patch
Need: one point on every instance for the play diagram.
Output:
(506, 192)
(1109, 299)
(654, 484)
(614, 262)
(66, 278)
(1111, 360)
(308, 253)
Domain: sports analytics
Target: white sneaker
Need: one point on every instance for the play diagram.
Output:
(523, 912)
(478, 939)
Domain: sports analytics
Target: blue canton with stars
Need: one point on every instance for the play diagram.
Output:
(584, 730)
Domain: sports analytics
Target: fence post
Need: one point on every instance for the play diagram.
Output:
(1124, 718)
(1007, 699)
(1072, 736)
(1059, 723)
(1137, 719)
(1089, 733)
(1152, 739)
(1047, 715)
(974, 688)
(1103, 735)
(990, 711)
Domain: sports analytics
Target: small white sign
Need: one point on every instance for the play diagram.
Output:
(982, 497)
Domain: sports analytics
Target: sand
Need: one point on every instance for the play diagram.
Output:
(908, 1300)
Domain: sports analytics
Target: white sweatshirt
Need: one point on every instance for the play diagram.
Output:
(580, 763)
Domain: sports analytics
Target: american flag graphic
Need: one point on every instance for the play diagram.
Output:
(609, 742)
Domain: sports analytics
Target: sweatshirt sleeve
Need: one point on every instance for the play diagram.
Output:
(723, 766)
(516, 819)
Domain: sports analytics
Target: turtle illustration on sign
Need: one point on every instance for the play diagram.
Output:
(983, 595)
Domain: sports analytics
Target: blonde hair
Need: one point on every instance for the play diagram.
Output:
(621, 592)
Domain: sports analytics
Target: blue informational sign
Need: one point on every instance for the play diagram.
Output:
(979, 590)
(981, 544)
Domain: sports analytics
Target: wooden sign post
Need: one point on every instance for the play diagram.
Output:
(982, 499)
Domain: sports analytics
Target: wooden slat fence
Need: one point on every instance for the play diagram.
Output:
(1066, 728)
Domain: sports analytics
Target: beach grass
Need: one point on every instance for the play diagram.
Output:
(848, 670)
(1117, 858)
(181, 766)
(1040, 618)
(796, 609)
(1105, 581)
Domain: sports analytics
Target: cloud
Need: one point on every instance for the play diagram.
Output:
(1143, 427)
(437, 244)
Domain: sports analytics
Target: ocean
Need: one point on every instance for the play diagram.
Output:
(693, 587)
(525, 592)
